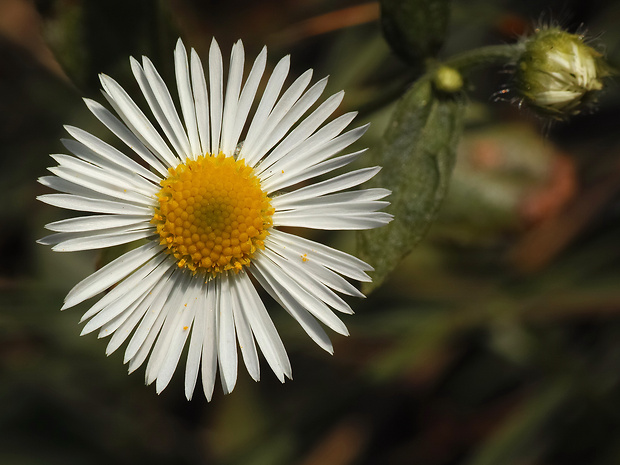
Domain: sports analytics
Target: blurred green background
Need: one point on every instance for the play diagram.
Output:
(497, 341)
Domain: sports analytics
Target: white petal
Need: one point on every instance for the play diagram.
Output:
(335, 184)
(165, 111)
(272, 90)
(227, 341)
(96, 222)
(244, 332)
(136, 121)
(301, 315)
(314, 264)
(336, 260)
(174, 311)
(124, 330)
(216, 86)
(141, 282)
(263, 328)
(139, 345)
(100, 241)
(186, 97)
(331, 221)
(123, 133)
(293, 290)
(233, 87)
(210, 341)
(305, 157)
(298, 267)
(94, 205)
(109, 153)
(303, 131)
(201, 100)
(290, 179)
(288, 106)
(111, 273)
(196, 343)
(247, 95)
(180, 330)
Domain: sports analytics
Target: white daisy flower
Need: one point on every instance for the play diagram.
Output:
(210, 210)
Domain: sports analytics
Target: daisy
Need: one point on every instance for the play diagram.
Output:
(207, 211)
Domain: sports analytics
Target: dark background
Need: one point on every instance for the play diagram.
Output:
(497, 341)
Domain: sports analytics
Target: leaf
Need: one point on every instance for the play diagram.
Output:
(415, 29)
(417, 154)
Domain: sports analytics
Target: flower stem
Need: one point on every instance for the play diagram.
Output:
(484, 56)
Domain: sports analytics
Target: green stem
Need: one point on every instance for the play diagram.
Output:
(484, 56)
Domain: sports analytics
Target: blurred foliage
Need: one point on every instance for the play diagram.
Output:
(496, 341)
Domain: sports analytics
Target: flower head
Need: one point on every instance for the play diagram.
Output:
(210, 210)
(558, 73)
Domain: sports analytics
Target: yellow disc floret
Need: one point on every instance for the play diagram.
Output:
(212, 214)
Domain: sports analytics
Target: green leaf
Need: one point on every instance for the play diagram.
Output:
(417, 155)
(415, 29)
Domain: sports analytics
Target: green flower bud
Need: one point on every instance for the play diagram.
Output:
(447, 80)
(558, 74)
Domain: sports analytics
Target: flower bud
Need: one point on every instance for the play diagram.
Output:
(558, 74)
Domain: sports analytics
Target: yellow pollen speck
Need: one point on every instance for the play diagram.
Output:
(304, 257)
(185, 328)
(212, 214)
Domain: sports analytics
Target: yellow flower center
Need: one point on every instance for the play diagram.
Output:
(213, 214)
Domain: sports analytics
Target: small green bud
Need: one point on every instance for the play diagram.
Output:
(558, 74)
(447, 80)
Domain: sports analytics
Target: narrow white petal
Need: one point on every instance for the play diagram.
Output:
(141, 282)
(314, 264)
(303, 131)
(298, 268)
(138, 183)
(296, 294)
(67, 187)
(116, 179)
(94, 205)
(102, 184)
(201, 101)
(332, 221)
(101, 241)
(335, 184)
(137, 122)
(124, 330)
(216, 87)
(151, 323)
(111, 273)
(244, 332)
(123, 133)
(227, 340)
(169, 115)
(301, 315)
(247, 95)
(208, 367)
(263, 328)
(233, 87)
(109, 153)
(111, 326)
(305, 156)
(336, 260)
(294, 176)
(97, 222)
(58, 238)
(288, 106)
(179, 333)
(174, 311)
(196, 343)
(272, 90)
(186, 97)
